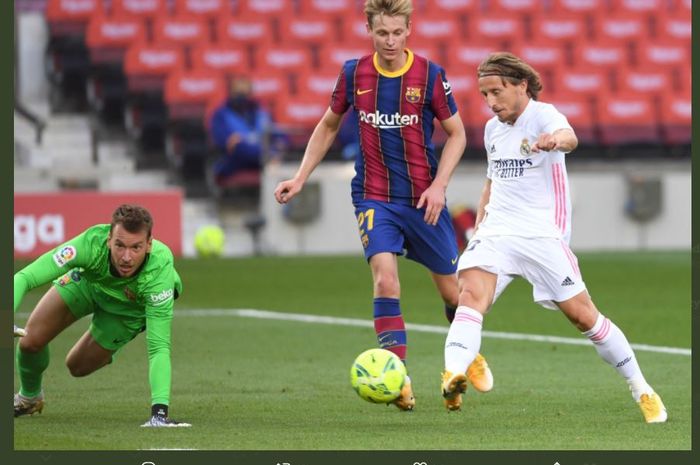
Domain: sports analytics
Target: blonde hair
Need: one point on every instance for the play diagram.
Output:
(511, 69)
(389, 8)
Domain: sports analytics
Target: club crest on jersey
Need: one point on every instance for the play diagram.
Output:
(64, 255)
(413, 94)
(525, 148)
(129, 294)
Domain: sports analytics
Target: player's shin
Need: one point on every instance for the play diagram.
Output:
(463, 339)
(389, 326)
(31, 367)
(613, 347)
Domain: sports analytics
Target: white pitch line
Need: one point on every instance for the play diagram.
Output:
(331, 320)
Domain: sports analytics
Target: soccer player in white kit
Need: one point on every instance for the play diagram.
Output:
(523, 228)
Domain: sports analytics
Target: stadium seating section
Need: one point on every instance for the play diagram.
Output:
(619, 69)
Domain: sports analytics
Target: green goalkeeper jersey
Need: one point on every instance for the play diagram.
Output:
(149, 294)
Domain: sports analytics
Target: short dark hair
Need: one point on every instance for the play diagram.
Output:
(511, 69)
(134, 218)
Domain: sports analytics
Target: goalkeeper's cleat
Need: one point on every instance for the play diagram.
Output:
(479, 374)
(453, 386)
(159, 421)
(28, 405)
(19, 332)
(405, 401)
(652, 408)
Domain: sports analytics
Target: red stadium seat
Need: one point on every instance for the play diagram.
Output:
(466, 57)
(109, 37)
(475, 113)
(282, 59)
(578, 110)
(435, 29)
(451, 8)
(222, 58)
(316, 84)
(234, 30)
(189, 93)
(268, 86)
(70, 17)
(627, 118)
(502, 29)
(600, 55)
(147, 65)
(148, 9)
(308, 30)
(519, 7)
(676, 118)
(682, 7)
(560, 27)
(674, 28)
(649, 7)
(464, 85)
(336, 55)
(620, 27)
(355, 30)
(583, 81)
(545, 57)
(644, 80)
(581, 7)
(662, 53)
(209, 9)
(300, 113)
(329, 9)
(265, 8)
(182, 30)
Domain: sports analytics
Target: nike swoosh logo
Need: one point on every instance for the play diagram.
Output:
(454, 260)
(360, 92)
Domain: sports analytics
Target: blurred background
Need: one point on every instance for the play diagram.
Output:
(144, 100)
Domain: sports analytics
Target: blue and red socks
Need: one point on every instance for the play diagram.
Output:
(389, 326)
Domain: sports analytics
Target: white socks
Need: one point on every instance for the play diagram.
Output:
(463, 340)
(612, 346)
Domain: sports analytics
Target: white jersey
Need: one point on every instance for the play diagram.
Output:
(529, 191)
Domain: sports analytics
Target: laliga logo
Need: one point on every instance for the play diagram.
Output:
(384, 121)
(30, 230)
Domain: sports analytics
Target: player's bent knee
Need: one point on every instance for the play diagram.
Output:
(30, 346)
(386, 286)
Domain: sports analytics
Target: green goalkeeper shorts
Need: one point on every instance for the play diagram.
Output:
(111, 331)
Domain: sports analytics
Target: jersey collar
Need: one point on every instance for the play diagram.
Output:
(398, 72)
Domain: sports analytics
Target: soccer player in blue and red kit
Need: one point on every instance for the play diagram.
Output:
(399, 187)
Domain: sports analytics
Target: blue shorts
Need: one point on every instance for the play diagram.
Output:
(399, 229)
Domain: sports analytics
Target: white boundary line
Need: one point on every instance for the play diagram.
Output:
(330, 320)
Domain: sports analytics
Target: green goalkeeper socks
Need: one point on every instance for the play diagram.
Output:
(31, 369)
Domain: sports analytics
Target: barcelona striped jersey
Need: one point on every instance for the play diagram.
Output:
(395, 111)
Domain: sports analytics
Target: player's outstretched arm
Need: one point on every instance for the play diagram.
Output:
(320, 142)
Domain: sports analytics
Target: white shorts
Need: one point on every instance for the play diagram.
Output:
(546, 263)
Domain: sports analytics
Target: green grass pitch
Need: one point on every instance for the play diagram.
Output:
(269, 384)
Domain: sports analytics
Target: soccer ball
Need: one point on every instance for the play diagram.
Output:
(209, 241)
(377, 376)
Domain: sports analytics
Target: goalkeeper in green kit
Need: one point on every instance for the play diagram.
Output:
(123, 277)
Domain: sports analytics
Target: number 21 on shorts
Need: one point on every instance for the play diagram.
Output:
(365, 222)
